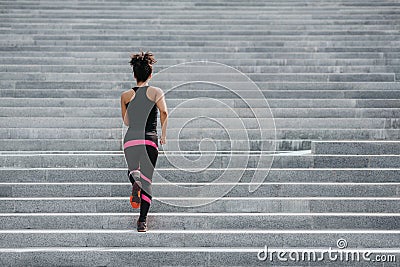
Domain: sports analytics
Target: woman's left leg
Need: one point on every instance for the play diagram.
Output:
(147, 165)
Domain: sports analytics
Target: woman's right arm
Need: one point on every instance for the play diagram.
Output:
(162, 106)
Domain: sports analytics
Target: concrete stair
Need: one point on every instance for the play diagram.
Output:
(329, 70)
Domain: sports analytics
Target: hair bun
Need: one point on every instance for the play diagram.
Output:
(142, 58)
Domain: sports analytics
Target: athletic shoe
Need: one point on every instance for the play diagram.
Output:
(135, 197)
(141, 226)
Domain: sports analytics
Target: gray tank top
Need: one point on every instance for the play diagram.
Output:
(142, 113)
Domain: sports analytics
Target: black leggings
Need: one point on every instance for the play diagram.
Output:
(142, 154)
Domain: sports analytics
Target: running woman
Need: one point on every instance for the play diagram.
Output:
(139, 107)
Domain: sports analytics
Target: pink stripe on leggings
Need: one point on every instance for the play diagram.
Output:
(140, 142)
(145, 178)
(145, 198)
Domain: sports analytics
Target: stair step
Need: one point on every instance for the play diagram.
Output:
(224, 204)
(201, 221)
(239, 189)
(187, 160)
(166, 44)
(257, 77)
(206, 90)
(174, 102)
(356, 147)
(229, 123)
(184, 111)
(275, 175)
(260, 62)
(65, 139)
(196, 56)
(213, 49)
(121, 70)
(190, 160)
(196, 238)
(210, 255)
(94, 144)
(286, 94)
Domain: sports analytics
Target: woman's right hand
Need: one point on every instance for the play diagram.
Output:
(163, 140)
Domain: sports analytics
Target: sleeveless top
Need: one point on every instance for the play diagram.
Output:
(142, 114)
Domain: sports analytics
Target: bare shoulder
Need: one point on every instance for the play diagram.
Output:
(126, 95)
(155, 90)
(127, 92)
(154, 93)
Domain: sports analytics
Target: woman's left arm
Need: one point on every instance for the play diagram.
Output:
(123, 111)
(162, 106)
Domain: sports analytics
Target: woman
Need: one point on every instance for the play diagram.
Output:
(139, 107)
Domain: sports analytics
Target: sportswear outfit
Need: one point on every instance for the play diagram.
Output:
(141, 145)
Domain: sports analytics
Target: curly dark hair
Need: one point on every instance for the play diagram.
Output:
(142, 65)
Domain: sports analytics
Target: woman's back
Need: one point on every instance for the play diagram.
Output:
(142, 113)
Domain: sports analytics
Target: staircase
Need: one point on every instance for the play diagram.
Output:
(327, 85)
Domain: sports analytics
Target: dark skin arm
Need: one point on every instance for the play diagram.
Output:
(125, 98)
(162, 107)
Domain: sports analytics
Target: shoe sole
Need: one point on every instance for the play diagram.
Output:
(141, 229)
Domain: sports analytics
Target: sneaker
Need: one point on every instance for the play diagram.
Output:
(135, 196)
(141, 226)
